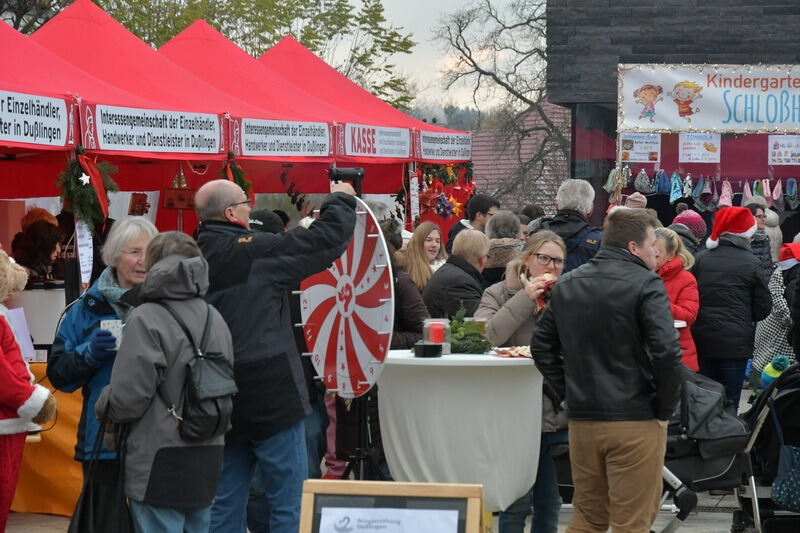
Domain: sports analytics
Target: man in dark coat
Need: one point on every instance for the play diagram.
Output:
(480, 209)
(249, 275)
(733, 296)
(606, 342)
(458, 282)
(574, 202)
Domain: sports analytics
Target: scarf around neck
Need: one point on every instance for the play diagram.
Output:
(112, 292)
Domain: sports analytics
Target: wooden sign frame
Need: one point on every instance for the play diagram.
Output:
(473, 494)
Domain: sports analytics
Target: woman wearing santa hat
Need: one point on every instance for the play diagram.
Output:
(733, 297)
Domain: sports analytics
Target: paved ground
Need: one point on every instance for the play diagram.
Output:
(713, 514)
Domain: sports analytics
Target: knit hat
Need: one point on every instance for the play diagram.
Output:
(774, 370)
(266, 220)
(789, 255)
(692, 220)
(635, 200)
(737, 221)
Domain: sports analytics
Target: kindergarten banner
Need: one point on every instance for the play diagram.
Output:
(709, 98)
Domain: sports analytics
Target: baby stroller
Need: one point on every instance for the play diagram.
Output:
(705, 445)
(757, 510)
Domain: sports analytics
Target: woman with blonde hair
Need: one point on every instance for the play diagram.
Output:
(673, 266)
(512, 308)
(424, 254)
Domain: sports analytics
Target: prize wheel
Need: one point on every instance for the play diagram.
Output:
(348, 311)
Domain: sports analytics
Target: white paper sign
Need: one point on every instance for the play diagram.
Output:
(784, 150)
(720, 98)
(446, 146)
(19, 326)
(699, 147)
(32, 119)
(283, 137)
(639, 147)
(387, 520)
(413, 192)
(83, 238)
(373, 141)
(133, 129)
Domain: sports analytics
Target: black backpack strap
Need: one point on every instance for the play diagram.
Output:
(203, 341)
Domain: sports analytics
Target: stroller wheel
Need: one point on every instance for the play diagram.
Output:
(740, 522)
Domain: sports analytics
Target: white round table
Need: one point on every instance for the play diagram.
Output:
(462, 418)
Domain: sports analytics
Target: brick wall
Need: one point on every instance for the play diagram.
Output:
(586, 39)
(495, 164)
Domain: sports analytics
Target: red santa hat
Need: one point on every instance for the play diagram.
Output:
(737, 221)
(789, 256)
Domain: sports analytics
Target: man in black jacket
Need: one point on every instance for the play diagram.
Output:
(734, 295)
(480, 209)
(250, 274)
(575, 202)
(607, 343)
(458, 282)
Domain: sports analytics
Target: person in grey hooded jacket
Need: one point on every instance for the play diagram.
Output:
(169, 481)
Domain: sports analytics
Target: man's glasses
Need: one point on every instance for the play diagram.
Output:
(544, 260)
(243, 202)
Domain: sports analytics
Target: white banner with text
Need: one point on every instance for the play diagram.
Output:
(284, 138)
(709, 98)
(32, 119)
(375, 141)
(445, 146)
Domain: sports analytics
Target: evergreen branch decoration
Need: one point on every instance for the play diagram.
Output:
(232, 171)
(78, 196)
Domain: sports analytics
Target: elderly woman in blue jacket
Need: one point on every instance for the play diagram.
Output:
(83, 353)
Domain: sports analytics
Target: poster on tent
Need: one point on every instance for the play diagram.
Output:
(375, 141)
(130, 129)
(639, 147)
(283, 138)
(699, 147)
(36, 120)
(783, 150)
(709, 98)
(436, 146)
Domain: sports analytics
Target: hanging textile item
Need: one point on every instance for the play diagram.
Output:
(643, 183)
(687, 186)
(746, 194)
(675, 187)
(766, 192)
(777, 197)
(697, 193)
(791, 193)
(627, 177)
(662, 182)
(726, 196)
(714, 197)
(758, 189)
(614, 185)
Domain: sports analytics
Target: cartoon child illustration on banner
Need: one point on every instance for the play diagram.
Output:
(684, 94)
(648, 95)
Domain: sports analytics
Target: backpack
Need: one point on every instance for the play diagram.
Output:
(208, 388)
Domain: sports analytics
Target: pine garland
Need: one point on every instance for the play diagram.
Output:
(80, 198)
(237, 172)
(446, 174)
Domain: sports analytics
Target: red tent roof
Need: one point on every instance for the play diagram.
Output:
(90, 38)
(203, 51)
(299, 65)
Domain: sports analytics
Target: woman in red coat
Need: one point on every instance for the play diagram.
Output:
(673, 266)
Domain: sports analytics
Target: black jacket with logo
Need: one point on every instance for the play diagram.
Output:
(607, 341)
(250, 274)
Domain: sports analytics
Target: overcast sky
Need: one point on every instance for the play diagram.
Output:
(425, 64)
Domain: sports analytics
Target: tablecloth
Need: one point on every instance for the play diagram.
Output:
(50, 478)
(462, 418)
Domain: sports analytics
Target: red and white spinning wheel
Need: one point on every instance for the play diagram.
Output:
(348, 311)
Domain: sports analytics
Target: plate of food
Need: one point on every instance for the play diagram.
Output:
(514, 351)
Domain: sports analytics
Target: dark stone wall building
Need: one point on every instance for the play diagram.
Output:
(587, 39)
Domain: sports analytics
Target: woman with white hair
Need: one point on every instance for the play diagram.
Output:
(83, 353)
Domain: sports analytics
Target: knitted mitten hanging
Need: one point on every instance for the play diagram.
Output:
(757, 188)
(791, 193)
(726, 196)
(611, 181)
(746, 194)
(766, 192)
(675, 187)
(713, 196)
(777, 197)
(687, 186)
(642, 183)
(662, 182)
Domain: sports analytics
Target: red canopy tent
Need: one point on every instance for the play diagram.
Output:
(295, 63)
(203, 51)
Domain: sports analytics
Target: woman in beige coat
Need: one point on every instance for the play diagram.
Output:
(511, 309)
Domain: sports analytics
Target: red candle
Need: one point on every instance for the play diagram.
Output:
(436, 332)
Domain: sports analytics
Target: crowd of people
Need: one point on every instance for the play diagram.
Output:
(610, 314)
